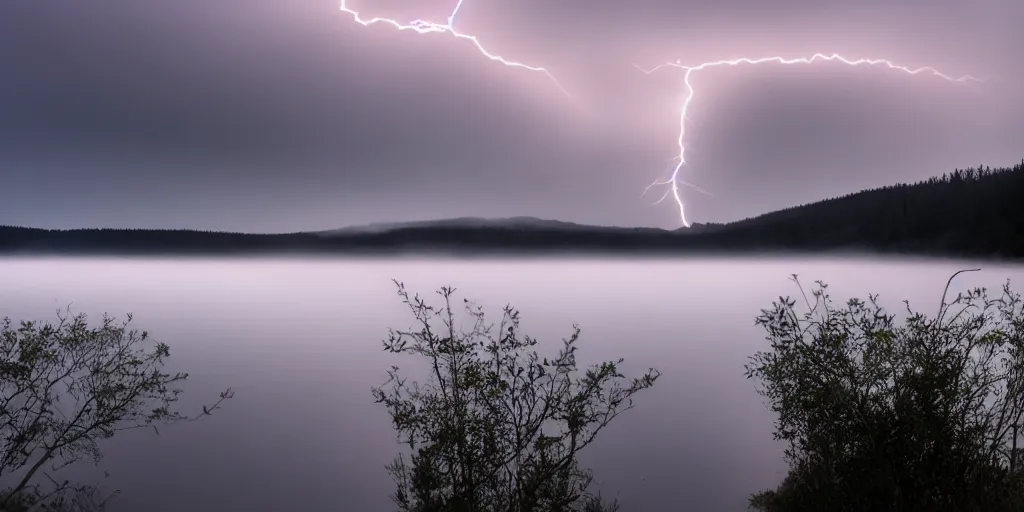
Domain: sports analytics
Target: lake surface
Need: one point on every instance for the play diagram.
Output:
(300, 342)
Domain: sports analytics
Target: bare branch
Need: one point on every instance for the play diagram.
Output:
(497, 426)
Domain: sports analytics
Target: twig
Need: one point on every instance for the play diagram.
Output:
(942, 305)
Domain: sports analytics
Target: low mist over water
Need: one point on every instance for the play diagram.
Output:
(300, 343)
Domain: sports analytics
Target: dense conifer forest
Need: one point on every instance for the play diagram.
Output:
(976, 211)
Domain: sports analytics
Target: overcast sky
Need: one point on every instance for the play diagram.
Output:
(283, 115)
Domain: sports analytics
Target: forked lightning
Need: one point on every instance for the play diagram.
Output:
(427, 27)
(673, 182)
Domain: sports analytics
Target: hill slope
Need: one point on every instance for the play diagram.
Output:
(971, 211)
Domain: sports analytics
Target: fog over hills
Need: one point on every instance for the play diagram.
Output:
(966, 213)
(521, 222)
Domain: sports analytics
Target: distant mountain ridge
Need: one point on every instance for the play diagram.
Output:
(967, 213)
(521, 222)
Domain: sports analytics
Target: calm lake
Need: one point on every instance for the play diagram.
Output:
(300, 342)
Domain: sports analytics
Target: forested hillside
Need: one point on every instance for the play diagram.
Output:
(969, 211)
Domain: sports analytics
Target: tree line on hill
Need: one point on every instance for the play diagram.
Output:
(969, 212)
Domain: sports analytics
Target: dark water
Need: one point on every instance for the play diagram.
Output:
(299, 340)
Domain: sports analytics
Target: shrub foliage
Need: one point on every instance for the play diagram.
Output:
(921, 413)
(496, 426)
(64, 387)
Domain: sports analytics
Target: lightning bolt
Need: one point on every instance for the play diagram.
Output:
(673, 182)
(426, 27)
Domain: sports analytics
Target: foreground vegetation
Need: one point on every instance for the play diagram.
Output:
(920, 414)
(497, 426)
(879, 414)
(878, 411)
(64, 387)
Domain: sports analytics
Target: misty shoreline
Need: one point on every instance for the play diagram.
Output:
(967, 214)
(470, 252)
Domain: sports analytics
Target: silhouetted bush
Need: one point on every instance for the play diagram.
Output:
(878, 414)
(496, 427)
(63, 387)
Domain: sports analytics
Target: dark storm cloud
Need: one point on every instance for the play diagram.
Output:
(271, 115)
